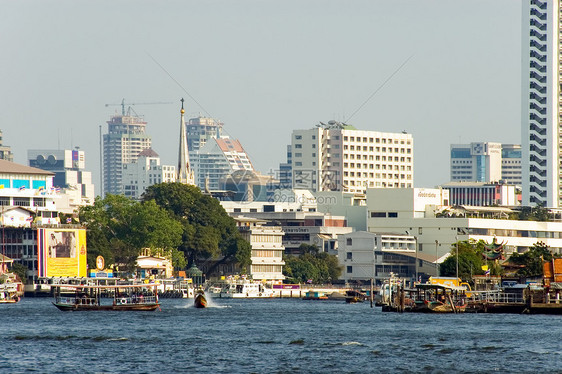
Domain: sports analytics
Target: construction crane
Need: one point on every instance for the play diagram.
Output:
(122, 105)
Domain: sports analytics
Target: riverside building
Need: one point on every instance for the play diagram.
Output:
(338, 157)
(427, 215)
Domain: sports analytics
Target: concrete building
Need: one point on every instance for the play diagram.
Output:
(5, 151)
(32, 234)
(482, 194)
(486, 162)
(125, 140)
(364, 255)
(267, 248)
(426, 214)
(285, 172)
(511, 164)
(70, 175)
(541, 98)
(144, 172)
(217, 159)
(338, 157)
(200, 130)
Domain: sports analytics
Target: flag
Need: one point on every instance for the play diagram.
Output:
(22, 188)
(487, 272)
(29, 219)
(309, 281)
(485, 267)
(69, 220)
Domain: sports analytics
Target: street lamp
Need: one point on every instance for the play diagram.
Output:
(436, 258)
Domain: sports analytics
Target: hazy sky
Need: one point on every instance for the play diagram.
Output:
(264, 68)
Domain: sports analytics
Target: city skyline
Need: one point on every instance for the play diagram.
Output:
(445, 72)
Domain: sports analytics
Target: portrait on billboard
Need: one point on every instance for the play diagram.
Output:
(62, 244)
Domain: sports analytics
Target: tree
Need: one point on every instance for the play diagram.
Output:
(208, 231)
(469, 258)
(317, 267)
(118, 228)
(533, 260)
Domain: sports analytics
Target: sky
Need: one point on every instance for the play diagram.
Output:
(445, 71)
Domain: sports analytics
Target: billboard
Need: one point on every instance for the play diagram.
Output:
(62, 252)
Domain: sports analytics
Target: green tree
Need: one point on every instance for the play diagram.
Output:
(318, 267)
(533, 260)
(208, 231)
(469, 259)
(118, 228)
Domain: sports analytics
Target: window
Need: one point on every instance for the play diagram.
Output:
(349, 269)
(378, 214)
(392, 214)
(298, 137)
(349, 241)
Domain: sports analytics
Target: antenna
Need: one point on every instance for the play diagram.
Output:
(123, 105)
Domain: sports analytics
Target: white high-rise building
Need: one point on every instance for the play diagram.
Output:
(125, 140)
(540, 102)
(337, 157)
(144, 172)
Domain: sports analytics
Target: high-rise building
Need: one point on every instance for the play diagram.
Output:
(125, 140)
(216, 160)
(338, 157)
(5, 151)
(486, 162)
(541, 97)
(200, 130)
(144, 172)
(69, 171)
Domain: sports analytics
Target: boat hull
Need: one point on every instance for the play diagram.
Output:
(200, 301)
(125, 307)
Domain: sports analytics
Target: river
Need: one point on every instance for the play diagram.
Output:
(273, 336)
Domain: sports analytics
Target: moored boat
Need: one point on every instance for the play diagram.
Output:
(9, 293)
(245, 289)
(141, 297)
(200, 299)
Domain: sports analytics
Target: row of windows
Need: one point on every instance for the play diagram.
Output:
(375, 140)
(266, 238)
(372, 166)
(267, 268)
(378, 175)
(264, 253)
(378, 149)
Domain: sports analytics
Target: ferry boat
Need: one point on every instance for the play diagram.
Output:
(245, 289)
(123, 297)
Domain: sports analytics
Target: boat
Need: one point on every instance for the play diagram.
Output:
(9, 293)
(245, 289)
(200, 299)
(128, 297)
(354, 296)
(315, 295)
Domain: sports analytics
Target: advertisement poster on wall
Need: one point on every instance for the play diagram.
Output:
(62, 252)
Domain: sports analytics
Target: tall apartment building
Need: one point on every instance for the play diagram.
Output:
(69, 171)
(337, 157)
(5, 151)
(285, 172)
(541, 98)
(125, 140)
(486, 162)
(216, 160)
(144, 172)
(200, 130)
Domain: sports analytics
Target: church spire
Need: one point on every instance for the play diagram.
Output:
(184, 173)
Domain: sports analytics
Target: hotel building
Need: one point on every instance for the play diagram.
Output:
(338, 157)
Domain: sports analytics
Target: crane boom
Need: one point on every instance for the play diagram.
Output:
(122, 105)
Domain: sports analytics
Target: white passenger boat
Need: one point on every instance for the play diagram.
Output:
(244, 288)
